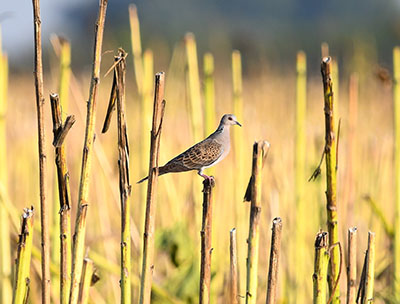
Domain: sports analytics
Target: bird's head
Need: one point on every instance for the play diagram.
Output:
(229, 120)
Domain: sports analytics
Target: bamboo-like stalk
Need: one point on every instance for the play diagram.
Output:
(352, 266)
(330, 159)
(196, 109)
(300, 253)
(136, 47)
(38, 74)
(23, 262)
(274, 260)
(124, 184)
(80, 224)
(368, 296)
(209, 93)
(148, 239)
(320, 268)
(84, 287)
(259, 150)
(396, 152)
(206, 249)
(233, 274)
(5, 250)
(65, 203)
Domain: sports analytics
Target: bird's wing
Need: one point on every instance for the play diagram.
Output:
(203, 154)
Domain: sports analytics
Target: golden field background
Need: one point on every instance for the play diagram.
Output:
(268, 112)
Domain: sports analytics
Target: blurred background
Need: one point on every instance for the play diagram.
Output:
(258, 74)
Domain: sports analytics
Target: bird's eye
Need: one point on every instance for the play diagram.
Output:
(230, 118)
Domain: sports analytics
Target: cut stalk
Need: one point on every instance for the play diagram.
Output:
(148, 239)
(87, 274)
(259, 150)
(5, 250)
(300, 254)
(124, 184)
(330, 159)
(195, 105)
(65, 203)
(23, 262)
(206, 249)
(352, 266)
(38, 74)
(396, 101)
(274, 260)
(370, 270)
(80, 224)
(233, 275)
(320, 268)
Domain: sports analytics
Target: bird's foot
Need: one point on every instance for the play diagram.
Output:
(209, 179)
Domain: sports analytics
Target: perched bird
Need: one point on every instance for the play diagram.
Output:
(204, 154)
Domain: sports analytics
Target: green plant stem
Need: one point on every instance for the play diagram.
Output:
(320, 268)
(87, 274)
(23, 262)
(124, 185)
(330, 159)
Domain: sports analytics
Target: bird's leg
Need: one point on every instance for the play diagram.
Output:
(210, 178)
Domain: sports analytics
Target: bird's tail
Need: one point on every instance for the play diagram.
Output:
(161, 171)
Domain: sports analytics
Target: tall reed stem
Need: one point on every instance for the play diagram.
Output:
(206, 249)
(83, 199)
(259, 150)
(23, 262)
(330, 159)
(87, 274)
(148, 239)
(274, 260)
(38, 74)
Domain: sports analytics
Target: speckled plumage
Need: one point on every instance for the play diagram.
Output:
(204, 154)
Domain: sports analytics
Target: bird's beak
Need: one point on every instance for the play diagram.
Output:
(238, 123)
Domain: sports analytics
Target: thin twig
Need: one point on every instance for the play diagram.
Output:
(38, 74)
(352, 266)
(233, 274)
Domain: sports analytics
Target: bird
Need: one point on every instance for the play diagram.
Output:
(204, 154)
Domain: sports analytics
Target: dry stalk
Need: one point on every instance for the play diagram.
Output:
(38, 74)
(260, 150)
(352, 266)
(274, 260)
(233, 275)
(148, 240)
(65, 206)
(80, 224)
(206, 249)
